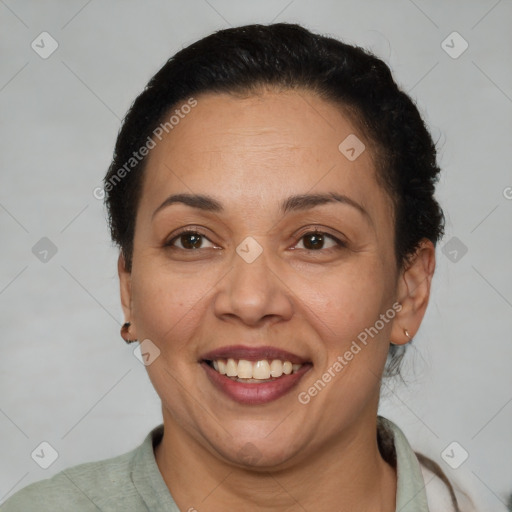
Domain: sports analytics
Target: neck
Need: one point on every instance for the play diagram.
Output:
(347, 474)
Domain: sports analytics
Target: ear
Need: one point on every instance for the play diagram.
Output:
(413, 292)
(125, 282)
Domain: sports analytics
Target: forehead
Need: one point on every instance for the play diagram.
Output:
(257, 149)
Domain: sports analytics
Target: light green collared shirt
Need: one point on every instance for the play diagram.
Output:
(132, 483)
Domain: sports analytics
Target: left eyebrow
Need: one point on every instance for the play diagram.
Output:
(307, 201)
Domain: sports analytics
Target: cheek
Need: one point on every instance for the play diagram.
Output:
(167, 306)
(348, 301)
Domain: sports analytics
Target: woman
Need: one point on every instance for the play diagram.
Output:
(271, 193)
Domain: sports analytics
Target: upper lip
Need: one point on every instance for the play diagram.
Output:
(252, 354)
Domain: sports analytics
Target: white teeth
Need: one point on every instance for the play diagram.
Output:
(251, 371)
(231, 368)
(222, 366)
(261, 370)
(276, 368)
(244, 369)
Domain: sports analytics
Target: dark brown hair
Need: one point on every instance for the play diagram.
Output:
(249, 58)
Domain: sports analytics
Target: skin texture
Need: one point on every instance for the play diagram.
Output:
(251, 154)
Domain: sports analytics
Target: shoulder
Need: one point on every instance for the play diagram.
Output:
(101, 485)
(420, 479)
(438, 493)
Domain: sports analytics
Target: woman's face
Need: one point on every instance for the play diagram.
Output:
(256, 177)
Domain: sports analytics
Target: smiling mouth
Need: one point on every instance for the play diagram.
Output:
(244, 371)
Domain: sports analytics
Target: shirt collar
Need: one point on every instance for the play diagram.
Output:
(146, 476)
(410, 492)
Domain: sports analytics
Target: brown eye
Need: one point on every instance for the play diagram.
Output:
(188, 240)
(191, 240)
(313, 241)
(317, 240)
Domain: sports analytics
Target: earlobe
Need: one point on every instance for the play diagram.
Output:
(413, 292)
(125, 286)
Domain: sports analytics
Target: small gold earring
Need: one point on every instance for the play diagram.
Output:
(406, 332)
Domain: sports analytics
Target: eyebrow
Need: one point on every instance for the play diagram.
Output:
(202, 202)
(293, 203)
(307, 201)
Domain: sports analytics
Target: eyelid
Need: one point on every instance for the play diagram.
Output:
(339, 244)
(340, 238)
(188, 229)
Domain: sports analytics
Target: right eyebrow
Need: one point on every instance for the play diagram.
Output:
(200, 201)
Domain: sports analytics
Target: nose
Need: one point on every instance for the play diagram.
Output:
(253, 293)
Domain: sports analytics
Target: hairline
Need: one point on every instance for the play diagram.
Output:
(379, 156)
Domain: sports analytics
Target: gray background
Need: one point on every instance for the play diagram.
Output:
(67, 378)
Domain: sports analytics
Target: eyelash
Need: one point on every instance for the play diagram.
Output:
(195, 231)
(192, 231)
(339, 244)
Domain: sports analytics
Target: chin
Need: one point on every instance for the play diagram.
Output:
(257, 455)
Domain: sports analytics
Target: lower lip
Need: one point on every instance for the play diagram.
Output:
(254, 393)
